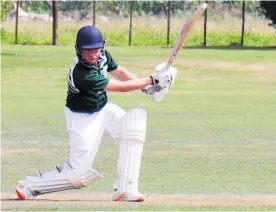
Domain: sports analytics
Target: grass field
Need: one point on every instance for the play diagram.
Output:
(211, 144)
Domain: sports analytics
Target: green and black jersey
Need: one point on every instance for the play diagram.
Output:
(86, 84)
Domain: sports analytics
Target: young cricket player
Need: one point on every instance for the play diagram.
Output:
(89, 115)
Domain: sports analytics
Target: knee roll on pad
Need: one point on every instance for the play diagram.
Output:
(82, 179)
(134, 125)
(70, 179)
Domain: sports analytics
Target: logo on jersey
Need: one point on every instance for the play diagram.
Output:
(102, 64)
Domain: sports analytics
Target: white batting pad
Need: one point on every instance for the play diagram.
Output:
(65, 180)
(134, 125)
(130, 149)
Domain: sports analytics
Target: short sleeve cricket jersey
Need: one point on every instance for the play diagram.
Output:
(86, 84)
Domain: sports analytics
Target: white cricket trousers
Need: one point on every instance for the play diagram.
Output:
(86, 130)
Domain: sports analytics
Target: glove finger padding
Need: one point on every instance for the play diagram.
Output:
(164, 77)
(150, 89)
(159, 96)
(157, 93)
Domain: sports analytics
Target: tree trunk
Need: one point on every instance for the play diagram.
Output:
(94, 13)
(169, 22)
(205, 28)
(16, 21)
(243, 22)
(130, 23)
(55, 22)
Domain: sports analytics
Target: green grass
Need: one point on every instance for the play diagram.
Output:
(214, 133)
(145, 37)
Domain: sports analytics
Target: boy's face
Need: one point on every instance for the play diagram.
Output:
(91, 55)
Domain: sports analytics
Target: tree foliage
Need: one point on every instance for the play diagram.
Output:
(147, 7)
(36, 6)
(68, 6)
(269, 10)
(6, 6)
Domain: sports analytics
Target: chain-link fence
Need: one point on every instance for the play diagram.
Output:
(138, 23)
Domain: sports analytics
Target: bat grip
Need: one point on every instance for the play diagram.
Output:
(168, 65)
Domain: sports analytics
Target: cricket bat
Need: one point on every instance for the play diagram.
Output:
(184, 33)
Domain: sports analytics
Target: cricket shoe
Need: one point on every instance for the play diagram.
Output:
(128, 196)
(22, 191)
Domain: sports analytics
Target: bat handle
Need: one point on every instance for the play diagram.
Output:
(168, 65)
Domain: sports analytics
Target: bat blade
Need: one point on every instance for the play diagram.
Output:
(184, 32)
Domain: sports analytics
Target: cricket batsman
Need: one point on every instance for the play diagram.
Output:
(89, 115)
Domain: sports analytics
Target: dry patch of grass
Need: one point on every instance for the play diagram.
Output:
(15, 151)
(268, 68)
(262, 72)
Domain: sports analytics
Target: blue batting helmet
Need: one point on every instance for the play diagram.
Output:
(89, 37)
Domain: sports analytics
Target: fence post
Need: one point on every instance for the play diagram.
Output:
(205, 28)
(168, 22)
(55, 22)
(94, 13)
(130, 23)
(243, 22)
(16, 22)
